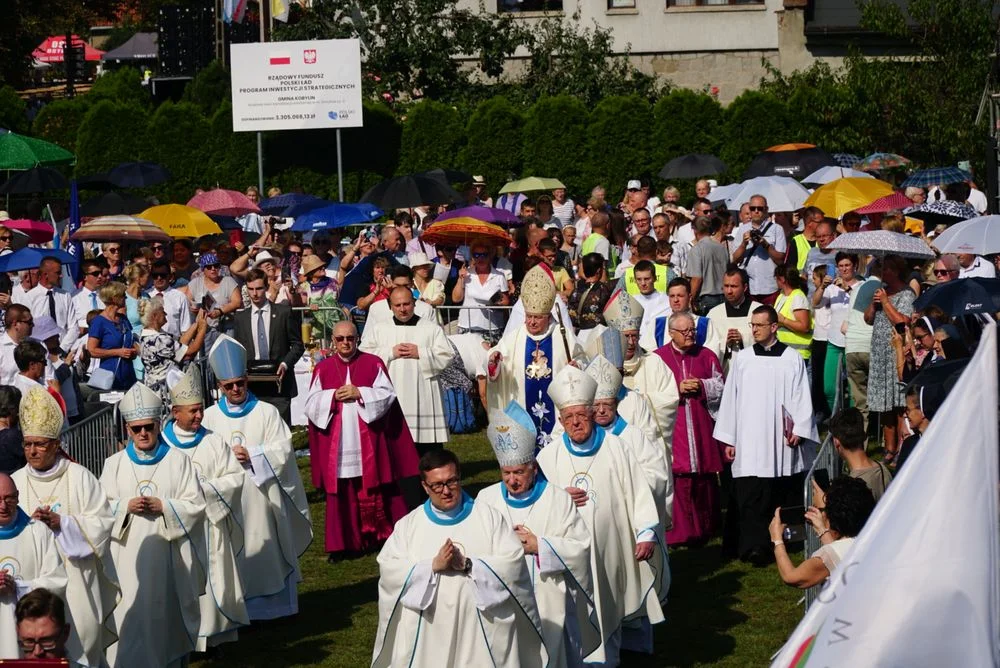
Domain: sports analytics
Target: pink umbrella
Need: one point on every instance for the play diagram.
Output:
(221, 202)
(37, 231)
(887, 203)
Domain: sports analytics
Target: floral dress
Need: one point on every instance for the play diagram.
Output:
(885, 392)
(160, 352)
(323, 295)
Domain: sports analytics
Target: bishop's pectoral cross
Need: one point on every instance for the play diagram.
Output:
(539, 367)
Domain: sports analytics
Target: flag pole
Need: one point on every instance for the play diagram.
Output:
(260, 136)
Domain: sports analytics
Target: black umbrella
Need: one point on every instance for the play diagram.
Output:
(449, 176)
(692, 166)
(36, 180)
(963, 296)
(138, 174)
(97, 181)
(113, 204)
(403, 192)
(796, 163)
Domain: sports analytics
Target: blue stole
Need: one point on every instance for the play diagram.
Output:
(464, 509)
(238, 411)
(617, 427)
(536, 493)
(587, 449)
(14, 530)
(158, 454)
(536, 390)
(700, 330)
(172, 439)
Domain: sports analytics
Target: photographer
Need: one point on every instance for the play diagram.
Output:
(837, 518)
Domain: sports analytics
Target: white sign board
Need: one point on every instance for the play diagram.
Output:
(296, 85)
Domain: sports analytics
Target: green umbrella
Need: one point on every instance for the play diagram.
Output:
(18, 152)
(531, 183)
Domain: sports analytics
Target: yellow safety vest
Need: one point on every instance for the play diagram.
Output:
(660, 284)
(798, 342)
(802, 249)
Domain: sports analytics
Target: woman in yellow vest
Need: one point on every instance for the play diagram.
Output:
(794, 315)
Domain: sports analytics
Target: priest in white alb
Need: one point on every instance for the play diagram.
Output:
(276, 524)
(454, 588)
(765, 423)
(555, 539)
(731, 318)
(611, 493)
(68, 499)
(156, 547)
(223, 609)
(416, 351)
(521, 366)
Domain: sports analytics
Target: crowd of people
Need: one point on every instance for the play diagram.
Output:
(641, 365)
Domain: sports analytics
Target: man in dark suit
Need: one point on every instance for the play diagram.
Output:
(270, 333)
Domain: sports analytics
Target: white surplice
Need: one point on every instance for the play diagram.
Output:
(560, 572)
(620, 512)
(421, 401)
(649, 376)
(380, 314)
(719, 316)
(82, 540)
(485, 618)
(29, 554)
(156, 558)
(223, 609)
(275, 513)
(760, 388)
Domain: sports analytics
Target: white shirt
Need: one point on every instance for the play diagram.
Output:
(977, 199)
(979, 268)
(37, 301)
(839, 303)
(255, 313)
(761, 266)
(175, 307)
(477, 296)
(564, 212)
(8, 368)
(85, 301)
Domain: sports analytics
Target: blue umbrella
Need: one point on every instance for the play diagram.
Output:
(335, 215)
(278, 205)
(30, 258)
(936, 176)
(963, 296)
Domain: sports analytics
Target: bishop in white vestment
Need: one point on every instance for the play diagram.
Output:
(611, 492)
(454, 589)
(68, 499)
(555, 539)
(416, 351)
(223, 609)
(277, 528)
(156, 548)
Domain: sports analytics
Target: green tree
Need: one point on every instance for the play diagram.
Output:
(13, 111)
(109, 134)
(555, 132)
(179, 139)
(494, 146)
(618, 146)
(685, 121)
(234, 154)
(59, 121)
(754, 121)
(123, 86)
(433, 134)
(210, 88)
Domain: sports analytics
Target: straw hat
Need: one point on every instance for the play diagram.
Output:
(311, 263)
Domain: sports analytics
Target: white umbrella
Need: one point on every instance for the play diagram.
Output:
(825, 175)
(881, 243)
(783, 193)
(720, 194)
(976, 236)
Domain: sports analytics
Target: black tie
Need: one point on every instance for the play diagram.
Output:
(52, 305)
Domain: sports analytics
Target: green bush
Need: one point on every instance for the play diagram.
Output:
(555, 133)
(210, 88)
(686, 122)
(179, 139)
(109, 134)
(433, 134)
(59, 121)
(754, 121)
(493, 145)
(13, 111)
(122, 86)
(618, 142)
(234, 154)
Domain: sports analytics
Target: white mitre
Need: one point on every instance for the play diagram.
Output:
(608, 378)
(140, 403)
(572, 387)
(512, 435)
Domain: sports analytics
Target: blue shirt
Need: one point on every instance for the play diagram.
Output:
(110, 335)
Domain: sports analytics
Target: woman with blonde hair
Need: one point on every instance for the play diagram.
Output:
(136, 277)
(159, 351)
(110, 338)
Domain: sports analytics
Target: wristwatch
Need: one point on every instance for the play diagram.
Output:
(467, 568)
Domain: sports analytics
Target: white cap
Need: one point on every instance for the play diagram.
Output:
(187, 389)
(140, 403)
(634, 184)
(607, 377)
(572, 387)
(513, 435)
(228, 358)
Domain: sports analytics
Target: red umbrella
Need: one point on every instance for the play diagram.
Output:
(37, 231)
(887, 203)
(221, 202)
(51, 50)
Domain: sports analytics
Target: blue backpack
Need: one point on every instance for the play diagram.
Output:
(459, 411)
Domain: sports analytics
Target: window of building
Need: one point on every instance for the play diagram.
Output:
(621, 4)
(711, 3)
(515, 6)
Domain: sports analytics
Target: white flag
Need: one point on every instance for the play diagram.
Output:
(919, 587)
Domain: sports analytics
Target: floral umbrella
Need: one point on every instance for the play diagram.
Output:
(463, 231)
(879, 161)
(882, 243)
(887, 203)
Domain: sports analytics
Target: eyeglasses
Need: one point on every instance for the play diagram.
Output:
(683, 332)
(9, 500)
(295, 253)
(47, 644)
(139, 428)
(438, 487)
(89, 273)
(29, 322)
(160, 274)
(211, 266)
(6, 237)
(157, 247)
(943, 272)
(758, 208)
(342, 339)
(233, 384)
(480, 256)
(114, 250)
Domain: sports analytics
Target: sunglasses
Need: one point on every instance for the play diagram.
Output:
(342, 339)
(211, 266)
(758, 208)
(942, 272)
(157, 247)
(233, 384)
(157, 274)
(295, 253)
(89, 273)
(6, 237)
(480, 256)
(139, 428)
(114, 250)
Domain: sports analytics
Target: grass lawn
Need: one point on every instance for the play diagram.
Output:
(718, 614)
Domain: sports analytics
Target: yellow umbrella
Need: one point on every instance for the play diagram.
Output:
(838, 197)
(178, 220)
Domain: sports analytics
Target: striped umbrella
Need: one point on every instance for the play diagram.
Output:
(222, 202)
(120, 228)
(887, 203)
(936, 176)
(879, 161)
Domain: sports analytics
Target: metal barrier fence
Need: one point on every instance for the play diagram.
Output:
(826, 459)
(94, 439)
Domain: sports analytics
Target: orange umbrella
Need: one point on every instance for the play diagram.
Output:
(463, 231)
(790, 147)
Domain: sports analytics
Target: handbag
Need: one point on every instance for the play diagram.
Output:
(103, 379)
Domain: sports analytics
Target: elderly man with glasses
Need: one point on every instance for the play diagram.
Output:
(175, 304)
(360, 444)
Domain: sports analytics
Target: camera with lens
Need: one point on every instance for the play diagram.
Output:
(756, 236)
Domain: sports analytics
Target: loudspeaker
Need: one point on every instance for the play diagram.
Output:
(186, 39)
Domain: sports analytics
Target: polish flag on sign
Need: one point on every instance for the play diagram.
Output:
(280, 58)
